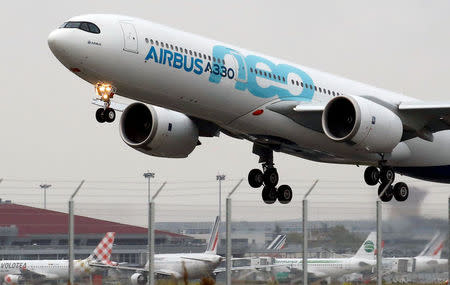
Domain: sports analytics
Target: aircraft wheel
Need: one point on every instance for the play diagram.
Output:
(401, 191)
(387, 175)
(110, 115)
(271, 177)
(371, 175)
(255, 178)
(269, 194)
(284, 194)
(99, 115)
(387, 196)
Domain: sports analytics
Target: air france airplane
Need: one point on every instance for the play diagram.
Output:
(187, 86)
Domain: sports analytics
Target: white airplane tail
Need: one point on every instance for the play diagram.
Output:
(277, 243)
(368, 247)
(213, 242)
(434, 248)
(102, 253)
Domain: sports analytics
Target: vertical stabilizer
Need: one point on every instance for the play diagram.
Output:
(367, 249)
(102, 253)
(433, 249)
(213, 242)
(277, 243)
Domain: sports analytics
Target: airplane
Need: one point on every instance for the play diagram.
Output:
(187, 86)
(178, 265)
(429, 260)
(18, 271)
(320, 268)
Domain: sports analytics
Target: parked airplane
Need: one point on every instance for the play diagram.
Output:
(429, 260)
(198, 87)
(320, 268)
(179, 265)
(17, 271)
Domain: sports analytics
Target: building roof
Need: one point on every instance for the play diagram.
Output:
(37, 221)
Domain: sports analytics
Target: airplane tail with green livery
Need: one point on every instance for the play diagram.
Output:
(368, 248)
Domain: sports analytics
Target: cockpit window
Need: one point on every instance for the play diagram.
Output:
(85, 26)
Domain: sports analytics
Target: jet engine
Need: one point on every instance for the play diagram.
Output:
(157, 131)
(13, 279)
(138, 279)
(363, 123)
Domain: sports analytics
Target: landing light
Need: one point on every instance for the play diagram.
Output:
(104, 90)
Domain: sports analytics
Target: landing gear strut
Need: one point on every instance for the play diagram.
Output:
(106, 114)
(385, 176)
(268, 177)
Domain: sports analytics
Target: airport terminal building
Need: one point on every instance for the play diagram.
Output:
(34, 233)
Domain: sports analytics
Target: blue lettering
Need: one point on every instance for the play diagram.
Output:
(169, 56)
(198, 66)
(188, 69)
(160, 55)
(152, 54)
(178, 60)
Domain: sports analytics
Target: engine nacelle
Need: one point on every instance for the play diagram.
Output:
(13, 279)
(138, 279)
(367, 125)
(157, 131)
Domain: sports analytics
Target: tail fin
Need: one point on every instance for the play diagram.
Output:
(277, 243)
(367, 249)
(214, 238)
(102, 253)
(433, 249)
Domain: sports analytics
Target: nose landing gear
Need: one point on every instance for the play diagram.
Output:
(106, 114)
(386, 176)
(269, 178)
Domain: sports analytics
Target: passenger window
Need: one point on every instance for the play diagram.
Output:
(190, 52)
(292, 80)
(157, 43)
(320, 90)
(315, 88)
(279, 78)
(296, 82)
(209, 57)
(329, 93)
(334, 94)
(176, 48)
(260, 72)
(270, 76)
(284, 80)
(171, 47)
(265, 74)
(162, 44)
(167, 45)
(214, 59)
(251, 70)
(223, 61)
(301, 83)
(185, 51)
(151, 41)
(306, 85)
(204, 56)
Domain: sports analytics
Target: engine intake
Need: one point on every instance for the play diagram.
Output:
(157, 131)
(138, 279)
(368, 125)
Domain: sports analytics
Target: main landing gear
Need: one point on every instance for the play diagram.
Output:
(106, 114)
(268, 178)
(385, 177)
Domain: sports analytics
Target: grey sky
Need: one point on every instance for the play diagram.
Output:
(49, 132)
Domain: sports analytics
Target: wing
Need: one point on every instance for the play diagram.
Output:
(254, 267)
(119, 267)
(33, 275)
(419, 119)
(205, 259)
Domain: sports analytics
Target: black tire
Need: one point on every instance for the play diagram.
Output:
(371, 175)
(401, 191)
(387, 175)
(100, 116)
(284, 194)
(387, 196)
(271, 177)
(255, 178)
(110, 115)
(269, 194)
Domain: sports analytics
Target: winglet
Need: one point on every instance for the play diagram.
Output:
(213, 242)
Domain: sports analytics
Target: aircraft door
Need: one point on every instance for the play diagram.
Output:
(130, 38)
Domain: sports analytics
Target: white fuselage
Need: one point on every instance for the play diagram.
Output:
(328, 267)
(224, 84)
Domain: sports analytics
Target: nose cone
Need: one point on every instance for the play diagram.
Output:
(55, 43)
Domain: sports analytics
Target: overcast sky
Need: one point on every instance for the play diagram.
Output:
(49, 132)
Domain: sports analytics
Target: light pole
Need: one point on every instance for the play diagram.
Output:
(305, 233)
(71, 233)
(228, 234)
(379, 241)
(45, 187)
(151, 240)
(220, 178)
(149, 175)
